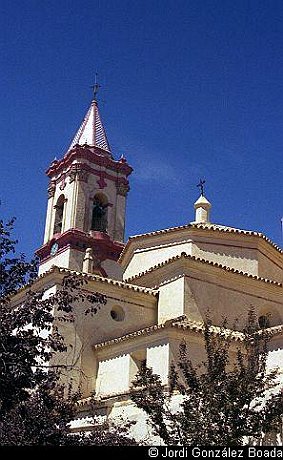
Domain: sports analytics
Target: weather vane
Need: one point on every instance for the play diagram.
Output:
(95, 87)
(201, 186)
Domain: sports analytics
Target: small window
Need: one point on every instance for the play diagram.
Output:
(99, 220)
(269, 317)
(264, 321)
(59, 214)
(117, 313)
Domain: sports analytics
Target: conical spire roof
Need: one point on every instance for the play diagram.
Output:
(91, 131)
(202, 202)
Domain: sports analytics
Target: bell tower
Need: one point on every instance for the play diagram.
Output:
(87, 194)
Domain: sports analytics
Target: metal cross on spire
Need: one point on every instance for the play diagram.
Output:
(95, 87)
(201, 186)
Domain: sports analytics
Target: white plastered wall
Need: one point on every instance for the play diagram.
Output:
(157, 358)
(239, 258)
(231, 301)
(176, 298)
(143, 259)
(113, 376)
(139, 312)
(69, 258)
(116, 373)
(171, 300)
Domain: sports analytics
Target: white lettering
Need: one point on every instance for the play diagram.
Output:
(196, 452)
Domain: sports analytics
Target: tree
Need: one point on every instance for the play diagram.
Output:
(222, 401)
(35, 408)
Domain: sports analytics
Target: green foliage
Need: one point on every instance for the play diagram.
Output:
(226, 400)
(35, 409)
(14, 270)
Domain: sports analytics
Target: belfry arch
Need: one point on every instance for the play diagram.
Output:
(268, 317)
(86, 206)
(59, 215)
(99, 213)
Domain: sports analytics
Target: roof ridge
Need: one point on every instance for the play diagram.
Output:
(208, 262)
(130, 335)
(90, 276)
(206, 226)
(181, 322)
(123, 284)
(186, 323)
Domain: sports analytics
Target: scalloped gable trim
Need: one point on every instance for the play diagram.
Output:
(184, 255)
(55, 269)
(213, 227)
(183, 323)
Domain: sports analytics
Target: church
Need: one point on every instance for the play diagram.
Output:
(158, 285)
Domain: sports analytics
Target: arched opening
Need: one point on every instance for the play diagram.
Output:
(99, 218)
(269, 317)
(264, 321)
(59, 214)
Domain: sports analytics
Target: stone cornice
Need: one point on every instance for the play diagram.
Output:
(183, 323)
(184, 256)
(94, 155)
(220, 229)
(80, 240)
(178, 323)
(62, 272)
(81, 171)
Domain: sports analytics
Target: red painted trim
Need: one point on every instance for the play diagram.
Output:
(103, 247)
(104, 174)
(101, 182)
(93, 155)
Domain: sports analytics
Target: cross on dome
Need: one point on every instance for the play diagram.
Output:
(201, 186)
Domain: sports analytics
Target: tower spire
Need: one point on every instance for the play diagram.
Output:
(86, 203)
(92, 132)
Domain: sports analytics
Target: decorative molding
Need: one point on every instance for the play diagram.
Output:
(83, 175)
(103, 247)
(183, 255)
(184, 324)
(69, 172)
(221, 229)
(93, 155)
(51, 188)
(122, 186)
(63, 183)
(181, 322)
(101, 182)
(122, 189)
(79, 172)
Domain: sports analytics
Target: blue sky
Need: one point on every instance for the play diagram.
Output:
(190, 89)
